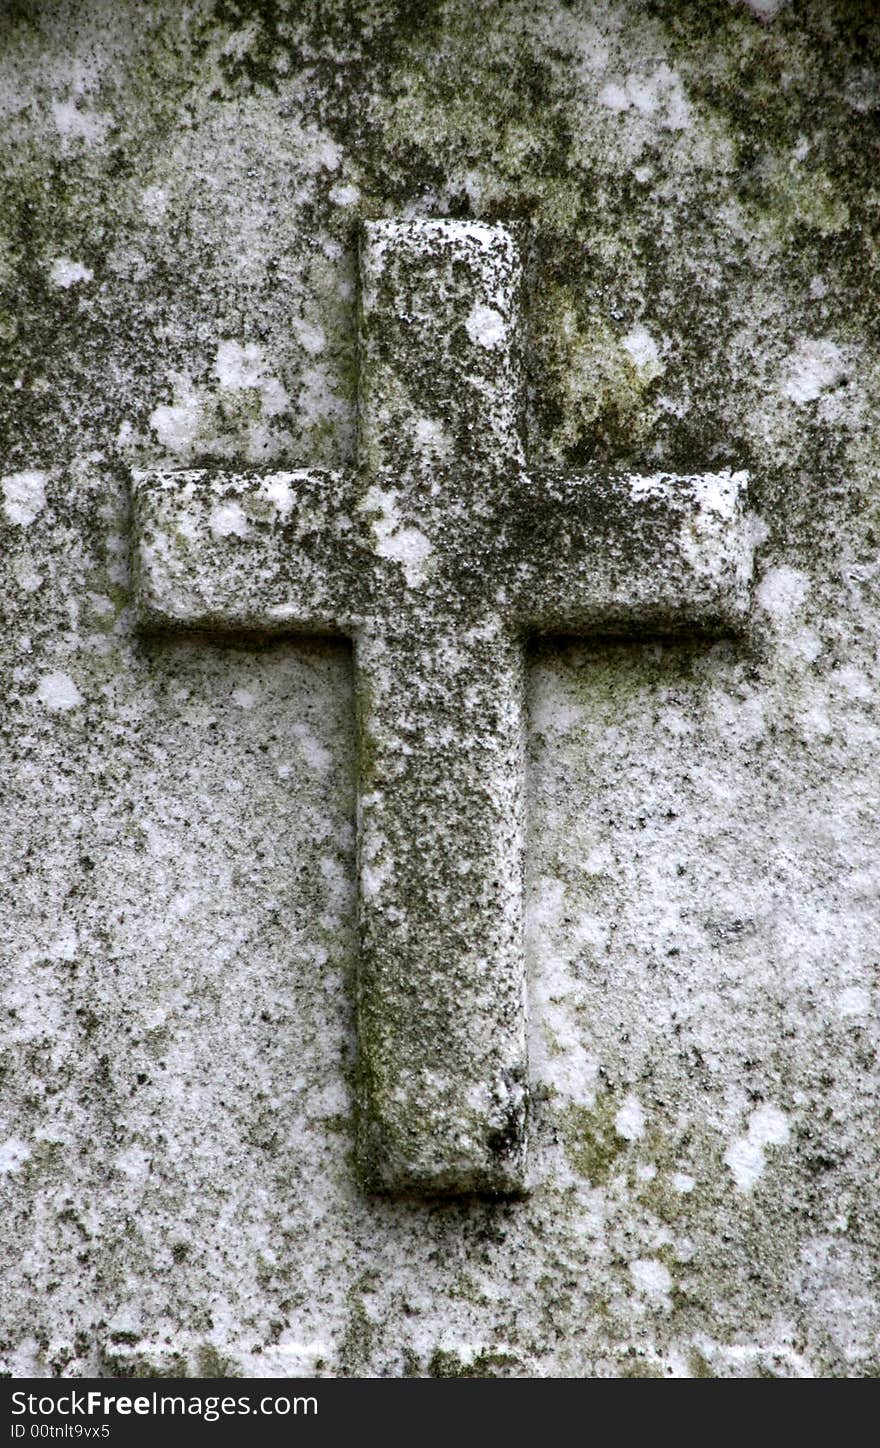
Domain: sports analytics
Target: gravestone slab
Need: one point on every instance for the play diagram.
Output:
(213, 218)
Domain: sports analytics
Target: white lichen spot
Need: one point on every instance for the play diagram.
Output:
(644, 353)
(310, 336)
(815, 723)
(599, 861)
(768, 1126)
(804, 643)
(651, 1277)
(657, 96)
(854, 1000)
(344, 195)
(560, 1061)
(757, 528)
(228, 520)
(290, 1359)
(765, 9)
(133, 1163)
(13, 1154)
(630, 1120)
(74, 123)
(154, 203)
(814, 366)
(682, 1182)
(316, 756)
(243, 698)
(176, 424)
(431, 439)
(24, 496)
(853, 683)
(66, 273)
(240, 42)
(781, 593)
(27, 575)
(554, 717)
(326, 154)
(279, 492)
(58, 692)
(237, 366)
(274, 398)
(485, 326)
(407, 546)
(65, 944)
(614, 96)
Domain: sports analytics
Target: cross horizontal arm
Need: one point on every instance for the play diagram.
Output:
(249, 552)
(606, 552)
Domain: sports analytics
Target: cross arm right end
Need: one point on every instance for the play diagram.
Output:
(618, 552)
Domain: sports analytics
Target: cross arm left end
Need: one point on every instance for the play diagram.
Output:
(246, 552)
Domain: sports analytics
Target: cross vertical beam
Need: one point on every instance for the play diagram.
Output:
(441, 1001)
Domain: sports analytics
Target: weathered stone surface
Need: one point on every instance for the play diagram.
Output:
(182, 189)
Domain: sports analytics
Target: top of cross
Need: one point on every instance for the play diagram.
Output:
(441, 504)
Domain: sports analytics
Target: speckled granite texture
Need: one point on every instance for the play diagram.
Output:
(691, 188)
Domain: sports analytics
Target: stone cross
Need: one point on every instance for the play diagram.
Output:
(438, 555)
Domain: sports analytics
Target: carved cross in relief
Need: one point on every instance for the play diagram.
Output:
(438, 556)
